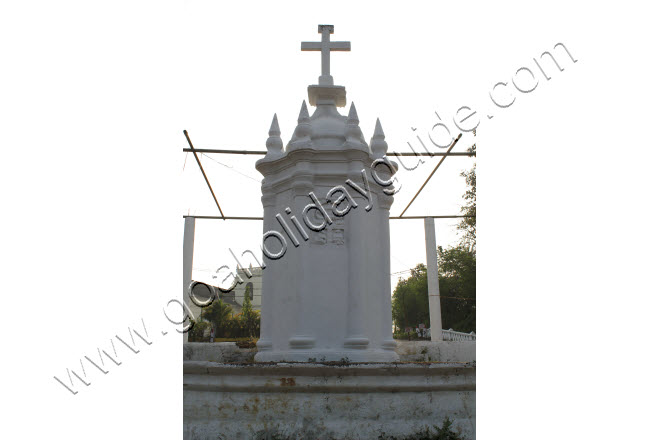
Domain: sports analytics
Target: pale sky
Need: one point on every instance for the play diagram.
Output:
(386, 74)
(95, 95)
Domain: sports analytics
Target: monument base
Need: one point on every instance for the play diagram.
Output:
(321, 401)
(327, 356)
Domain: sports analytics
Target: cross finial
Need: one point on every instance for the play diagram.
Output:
(325, 46)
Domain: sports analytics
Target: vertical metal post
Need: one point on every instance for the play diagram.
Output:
(432, 277)
(188, 248)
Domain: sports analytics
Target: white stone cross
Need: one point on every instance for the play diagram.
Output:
(325, 46)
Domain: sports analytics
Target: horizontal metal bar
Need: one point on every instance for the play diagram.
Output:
(210, 150)
(418, 217)
(262, 153)
(215, 217)
(462, 154)
(409, 217)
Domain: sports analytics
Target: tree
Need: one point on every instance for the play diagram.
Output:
(457, 279)
(468, 225)
(250, 317)
(217, 314)
(456, 275)
(196, 333)
(458, 265)
(410, 302)
(458, 287)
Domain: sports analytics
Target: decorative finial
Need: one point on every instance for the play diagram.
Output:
(274, 142)
(274, 127)
(378, 131)
(353, 132)
(352, 115)
(303, 131)
(325, 47)
(304, 114)
(378, 145)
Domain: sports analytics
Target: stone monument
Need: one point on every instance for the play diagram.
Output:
(325, 298)
(326, 199)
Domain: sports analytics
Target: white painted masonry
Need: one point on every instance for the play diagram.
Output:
(327, 366)
(432, 279)
(188, 250)
(326, 287)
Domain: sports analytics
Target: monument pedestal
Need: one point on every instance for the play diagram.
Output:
(327, 355)
(326, 281)
(329, 297)
(321, 401)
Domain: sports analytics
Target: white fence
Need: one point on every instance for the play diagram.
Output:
(451, 335)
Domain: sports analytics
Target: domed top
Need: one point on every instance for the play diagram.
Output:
(327, 130)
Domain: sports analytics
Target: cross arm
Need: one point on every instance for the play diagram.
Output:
(344, 46)
(311, 45)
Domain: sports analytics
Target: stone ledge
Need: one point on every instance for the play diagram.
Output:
(408, 351)
(217, 352)
(321, 401)
(323, 378)
(445, 351)
(328, 368)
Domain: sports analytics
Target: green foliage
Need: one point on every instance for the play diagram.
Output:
(410, 301)
(444, 433)
(232, 328)
(250, 318)
(218, 314)
(246, 342)
(468, 225)
(457, 278)
(196, 333)
(406, 336)
(245, 324)
(458, 287)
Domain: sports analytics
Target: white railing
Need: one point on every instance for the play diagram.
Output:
(451, 335)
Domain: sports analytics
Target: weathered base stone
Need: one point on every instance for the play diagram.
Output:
(408, 351)
(223, 352)
(321, 401)
(445, 351)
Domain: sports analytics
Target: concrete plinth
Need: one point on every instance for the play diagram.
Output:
(445, 351)
(321, 401)
(223, 352)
